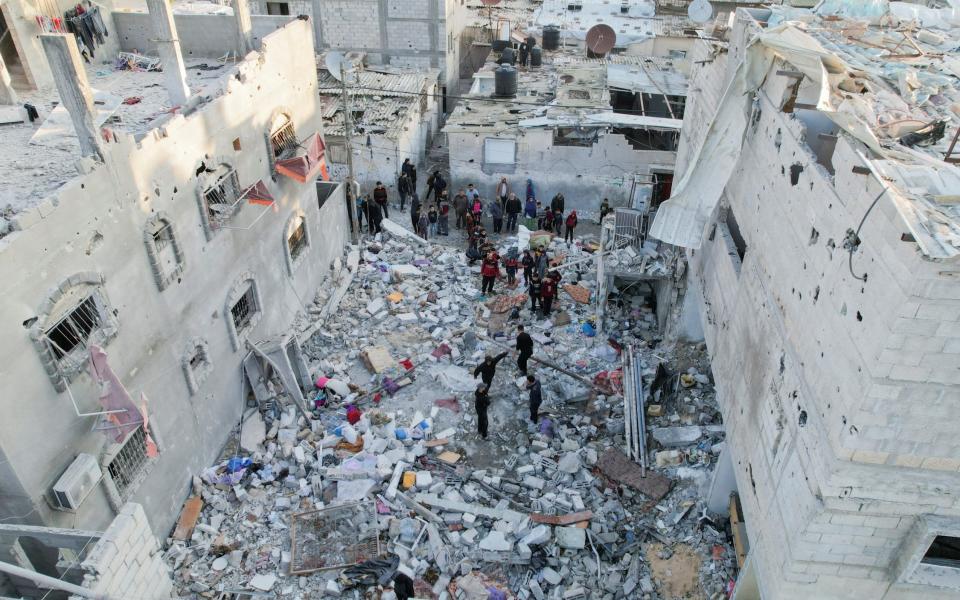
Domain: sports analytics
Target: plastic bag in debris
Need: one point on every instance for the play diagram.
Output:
(379, 571)
(605, 352)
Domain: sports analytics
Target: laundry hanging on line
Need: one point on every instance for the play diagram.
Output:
(87, 25)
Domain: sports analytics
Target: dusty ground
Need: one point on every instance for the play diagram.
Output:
(677, 577)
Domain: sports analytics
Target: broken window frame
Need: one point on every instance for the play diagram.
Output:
(242, 288)
(912, 566)
(244, 309)
(226, 192)
(165, 253)
(133, 452)
(93, 326)
(196, 372)
(576, 137)
(283, 140)
(295, 247)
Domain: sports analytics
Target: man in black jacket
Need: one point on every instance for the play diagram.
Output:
(380, 197)
(514, 207)
(404, 188)
(488, 368)
(557, 203)
(524, 347)
(536, 398)
(481, 402)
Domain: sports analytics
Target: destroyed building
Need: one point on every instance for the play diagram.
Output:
(195, 230)
(589, 128)
(394, 114)
(417, 34)
(816, 198)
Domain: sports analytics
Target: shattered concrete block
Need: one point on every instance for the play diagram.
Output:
(571, 537)
(533, 482)
(263, 582)
(496, 541)
(677, 437)
(424, 479)
(551, 576)
(569, 462)
(540, 534)
(536, 590)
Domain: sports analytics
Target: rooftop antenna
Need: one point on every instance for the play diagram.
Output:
(601, 39)
(700, 11)
(338, 65)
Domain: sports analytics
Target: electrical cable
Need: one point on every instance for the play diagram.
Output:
(853, 242)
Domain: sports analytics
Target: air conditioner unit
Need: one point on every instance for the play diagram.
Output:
(77, 482)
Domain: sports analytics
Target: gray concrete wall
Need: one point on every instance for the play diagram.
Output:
(95, 224)
(840, 396)
(585, 175)
(206, 36)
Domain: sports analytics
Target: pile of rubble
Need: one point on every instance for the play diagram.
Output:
(382, 474)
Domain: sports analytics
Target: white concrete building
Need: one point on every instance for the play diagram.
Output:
(823, 242)
(190, 235)
(411, 34)
(395, 113)
(589, 128)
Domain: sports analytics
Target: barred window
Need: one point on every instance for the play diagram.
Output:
(297, 240)
(283, 138)
(129, 463)
(222, 197)
(244, 309)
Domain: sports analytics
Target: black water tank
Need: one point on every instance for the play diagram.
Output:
(536, 57)
(508, 56)
(551, 37)
(505, 81)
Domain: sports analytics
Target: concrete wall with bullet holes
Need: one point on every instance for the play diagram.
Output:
(840, 395)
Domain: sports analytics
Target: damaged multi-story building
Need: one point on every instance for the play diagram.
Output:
(195, 227)
(816, 197)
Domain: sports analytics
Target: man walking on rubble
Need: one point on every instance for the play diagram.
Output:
(481, 401)
(525, 349)
(380, 197)
(488, 368)
(536, 398)
(404, 188)
(489, 270)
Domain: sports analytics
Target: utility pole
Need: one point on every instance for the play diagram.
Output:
(348, 136)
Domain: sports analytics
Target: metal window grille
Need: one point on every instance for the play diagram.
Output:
(244, 309)
(68, 338)
(334, 537)
(627, 228)
(223, 198)
(297, 240)
(284, 142)
(128, 464)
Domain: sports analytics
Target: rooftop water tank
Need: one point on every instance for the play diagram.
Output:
(551, 37)
(536, 57)
(508, 56)
(505, 81)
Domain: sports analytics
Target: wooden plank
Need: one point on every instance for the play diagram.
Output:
(188, 518)
(567, 519)
(615, 465)
(437, 442)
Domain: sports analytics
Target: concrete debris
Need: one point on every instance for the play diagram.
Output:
(387, 462)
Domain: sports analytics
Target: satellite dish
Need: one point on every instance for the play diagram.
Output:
(336, 64)
(700, 11)
(601, 39)
(490, 2)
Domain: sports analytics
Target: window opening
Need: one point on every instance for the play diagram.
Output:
(284, 140)
(297, 240)
(129, 463)
(244, 309)
(943, 552)
(278, 8)
(223, 198)
(68, 339)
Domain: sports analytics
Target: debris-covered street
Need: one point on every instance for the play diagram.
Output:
(382, 479)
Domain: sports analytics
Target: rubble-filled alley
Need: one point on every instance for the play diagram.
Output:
(380, 479)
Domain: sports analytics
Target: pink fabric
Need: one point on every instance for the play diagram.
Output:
(322, 382)
(113, 396)
(152, 451)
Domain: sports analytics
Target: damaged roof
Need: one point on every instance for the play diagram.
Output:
(381, 99)
(888, 78)
(569, 89)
